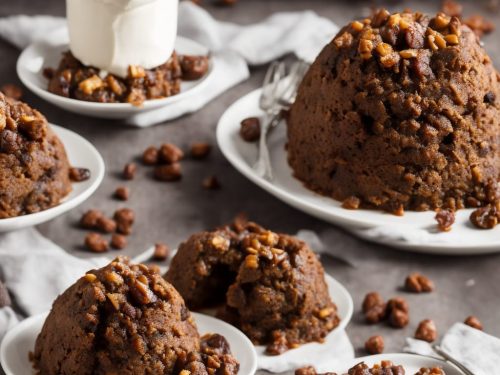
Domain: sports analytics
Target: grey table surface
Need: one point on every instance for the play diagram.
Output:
(171, 212)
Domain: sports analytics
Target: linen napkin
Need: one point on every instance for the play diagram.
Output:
(467, 345)
(233, 48)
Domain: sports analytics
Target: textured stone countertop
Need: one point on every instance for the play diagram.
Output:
(171, 212)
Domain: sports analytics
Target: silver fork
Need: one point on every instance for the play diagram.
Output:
(277, 97)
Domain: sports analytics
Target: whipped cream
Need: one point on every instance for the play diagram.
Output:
(113, 34)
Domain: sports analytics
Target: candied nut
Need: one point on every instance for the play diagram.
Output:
(325, 312)
(485, 217)
(351, 203)
(365, 46)
(384, 49)
(398, 303)
(211, 183)
(194, 67)
(374, 345)
(12, 91)
(129, 171)
(79, 174)
(250, 129)
(168, 173)
(308, 370)
(431, 40)
(115, 299)
(150, 156)
(404, 24)
(200, 150)
(161, 252)
(106, 225)
(89, 85)
(90, 277)
(380, 17)
(90, 218)
(439, 40)
(451, 39)
(408, 53)
(474, 322)
(115, 85)
(372, 299)
(394, 20)
(252, 261)
(398, 318)
(344, 40)
(390, 60)
(114, 278)
(135, 71)
(4, 296)
(445, 219)
(96, 243)
(357, 26)
(118, 241)
(170, 153)
(124, 218)
(122, 193)
(441, 21)
(426, 331)
(418, 283)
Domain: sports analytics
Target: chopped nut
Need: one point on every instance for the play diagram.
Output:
(79, 174)
(250, 129)
(89, 219)
(118, 241)
(351, 203)
(441, 21)
(390, 60)
(114, 298)
(357, 26)
(426, 331)
(404, 24)
(451, 39)
(114, 278)
(96, 243)
(326, 312)
(445, 219)
(135, 71)
(418, 283)
(90, 277)
(394, 20)
(431, 39)
(408, 53)
(170, 153)
(374, 345)
(161, 252)
(115, 85)
(122, 193)
(384, 49)
(474, 322)
(150, 156)
(439, 40)
(168, 173)
(344, 40)
(220, 243)
(91, 84)
(142, 294)
(200, 150)
(252, 261)
(129, 171)
(380, 17)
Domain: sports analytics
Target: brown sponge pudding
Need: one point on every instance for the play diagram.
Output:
(126, 319)
(401, 112)
(270, 285)
(34, 168)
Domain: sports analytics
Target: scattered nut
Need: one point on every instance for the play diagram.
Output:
(161, 252)
(124, 218)
(118, 241)
(200, 150)
(170, 153)
(135, 71)
(12, 91)
(91, 84)
(194, 67)
(426, 331)
(79, 174)
(374, 345)
(445, 219)
(486, 217)
(250, 129)
(150, 156)
(129, 171)
(374, 308)
(398, 312)
(418, 283)
(211, 183)
(122, 193)
(474, 322)
(90, 218)
(96, 243)
(106, 225)
(168, 173)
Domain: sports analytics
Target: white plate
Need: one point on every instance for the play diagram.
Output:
(81, 153)
(462, 239)
(411, 362)
(48, 53)
(20, 340)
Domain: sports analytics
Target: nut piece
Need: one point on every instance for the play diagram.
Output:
(89, 219)
(357, 26)
(118, 241)
(91, 84)
(308, 370)
(79, 174)
(135, 71)
(122, 193)
(383, 49)
(129, 171)
(474, 322)
(211, 183)
(398, 312)
(250, 129)
(408, 53)
(200, 150)
(351, 203)
(374, 308)
(194, 67)
(150, 156)
(96, 243)
(106, 225)
(170, 153)
(124, 218)
(168, 173)
(161, 252)
(418, 283)
(12, 91)
(486, 217)
(426, 331)
(374, 345)
(445, 219)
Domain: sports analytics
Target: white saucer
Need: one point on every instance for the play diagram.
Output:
(81, 153)
(411, 363)
(48, 53)
(20, 340)
(462, 239)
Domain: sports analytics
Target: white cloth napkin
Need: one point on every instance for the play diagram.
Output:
(476, 350)
(233, 48)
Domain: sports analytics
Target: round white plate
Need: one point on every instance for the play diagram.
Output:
(20, 340)
(48, 53)
(411, 363)
(81, 153)
(462, 239)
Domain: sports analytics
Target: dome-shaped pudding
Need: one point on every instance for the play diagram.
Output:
(399, 111)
